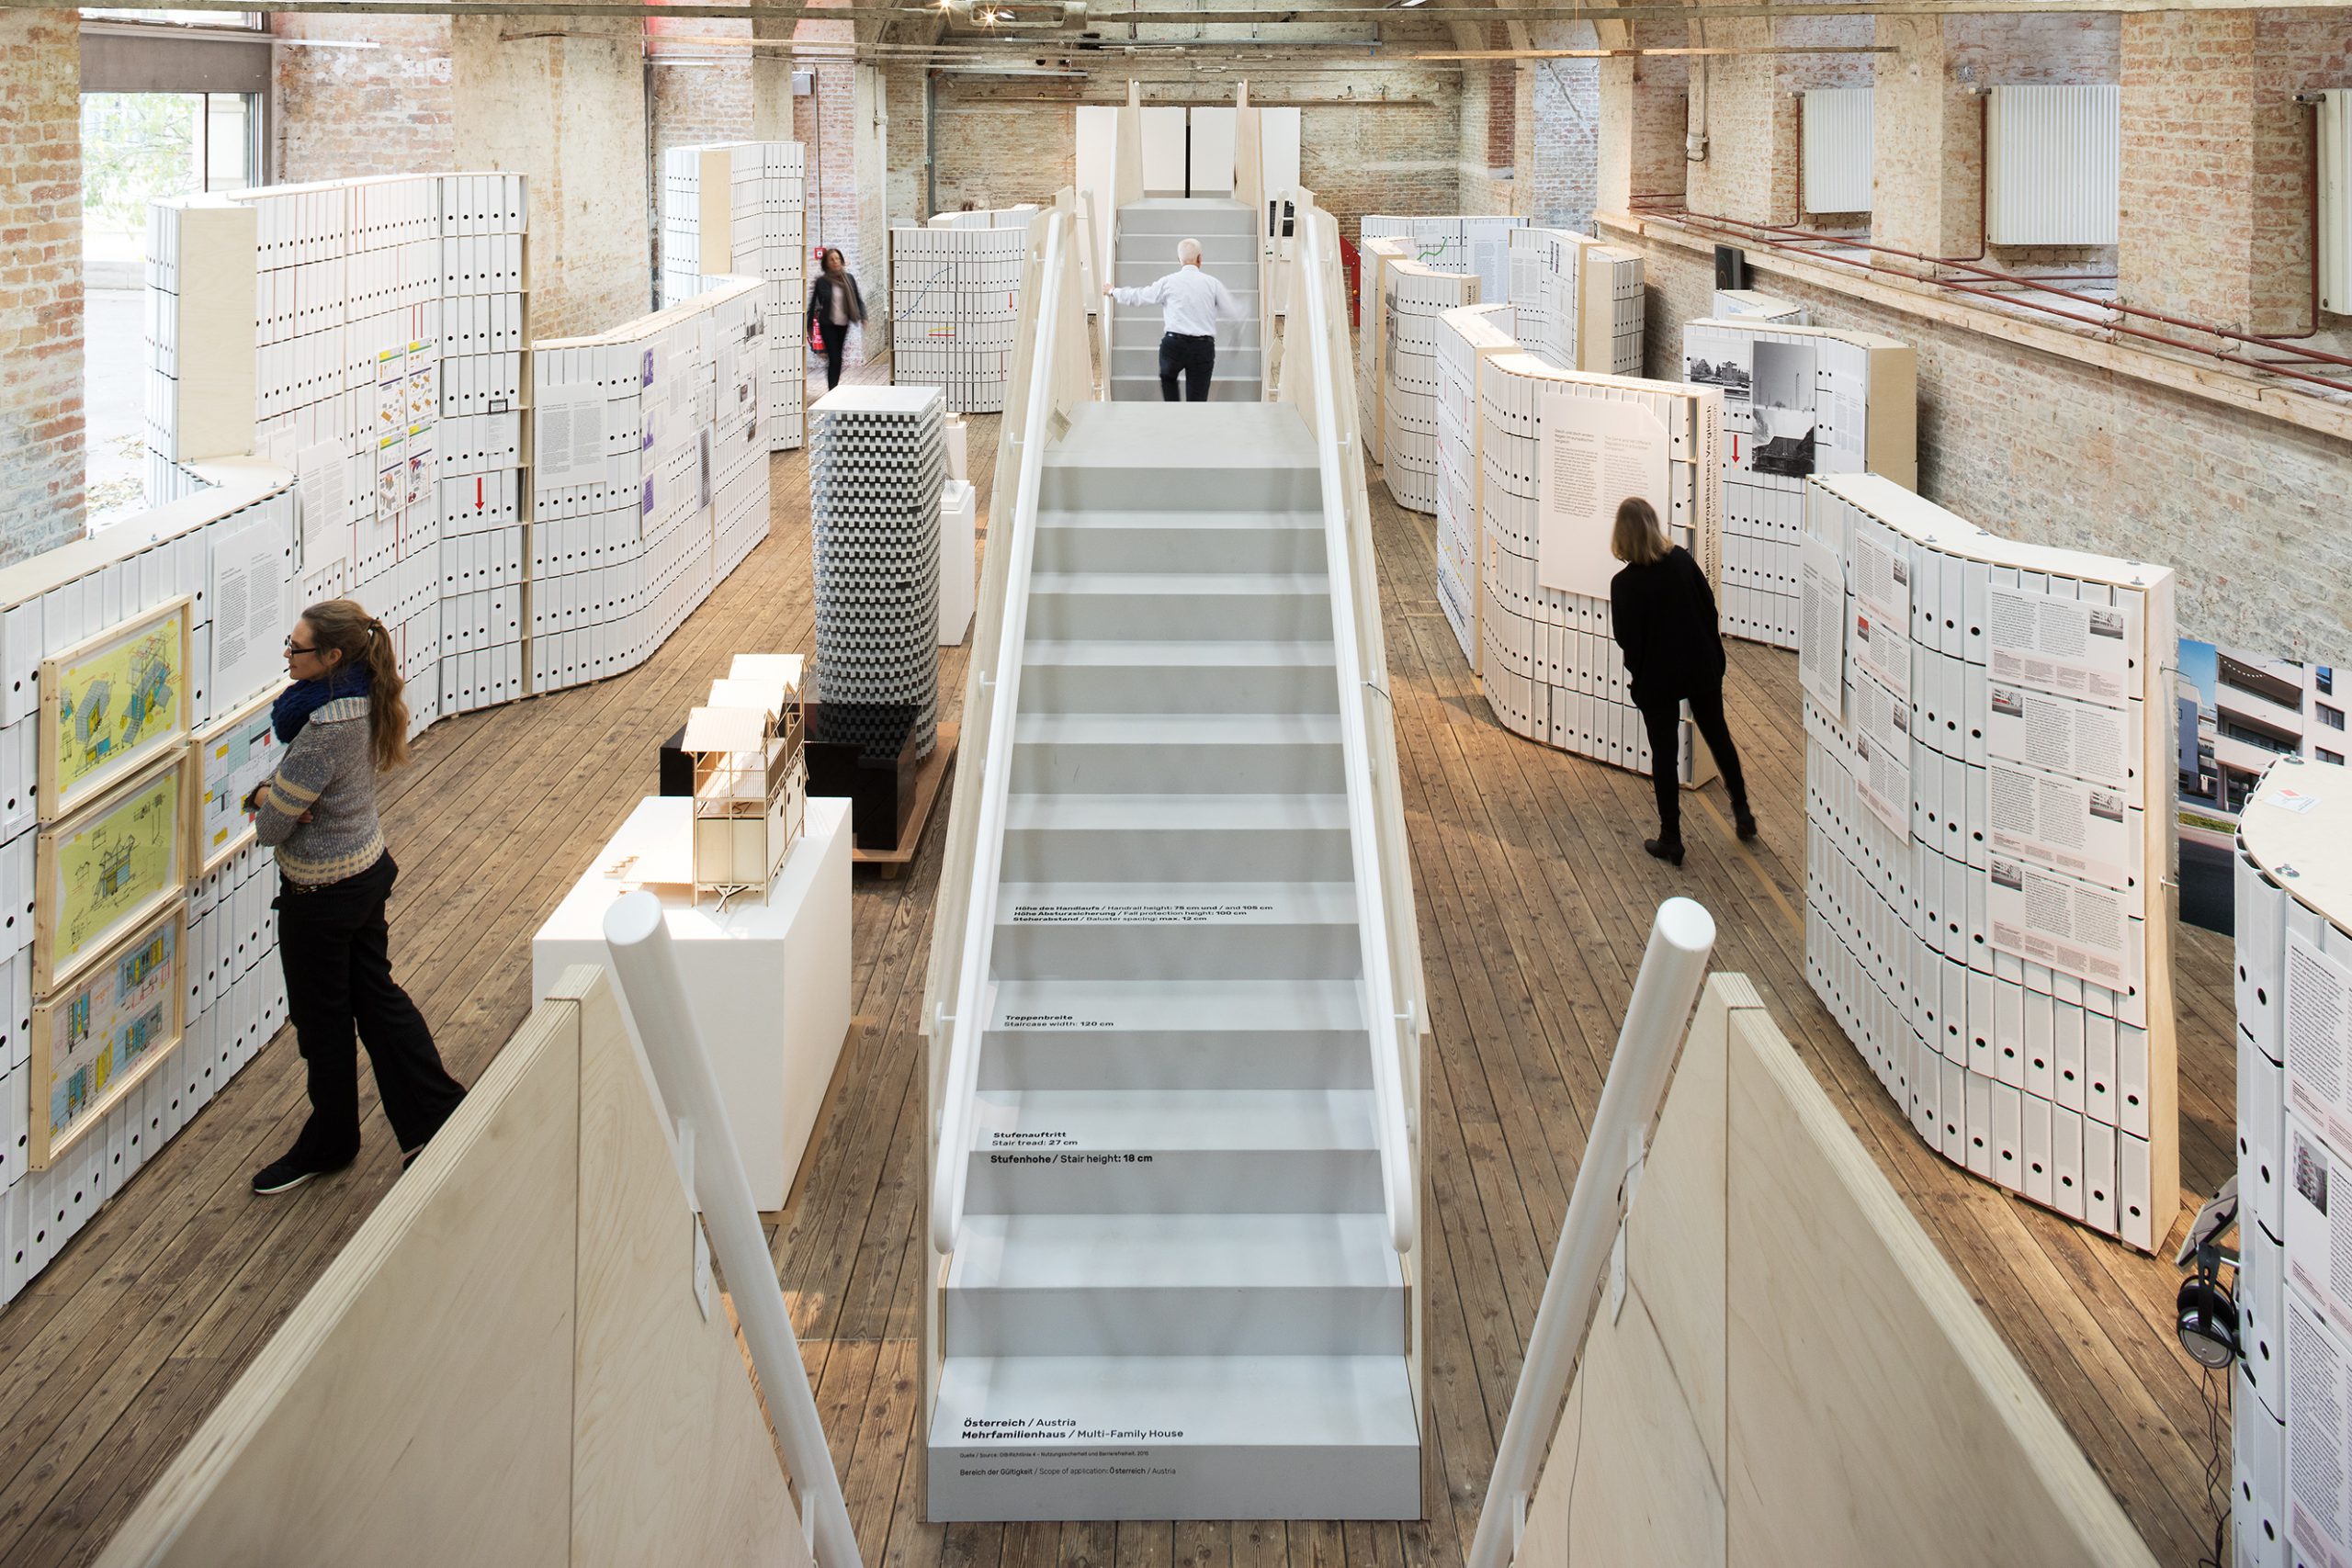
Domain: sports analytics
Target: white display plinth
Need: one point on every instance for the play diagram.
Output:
(958, 560)
(769, 982)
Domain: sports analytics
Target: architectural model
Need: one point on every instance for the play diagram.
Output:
(1798, 401)
(1989, 758)
(750, 784)
(736, 209)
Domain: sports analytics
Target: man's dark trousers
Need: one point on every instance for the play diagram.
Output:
(1191, 356)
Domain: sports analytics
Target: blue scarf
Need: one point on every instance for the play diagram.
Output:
(298, 702)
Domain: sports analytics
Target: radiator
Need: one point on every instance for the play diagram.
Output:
(2052, 157)
(2336, 201)
(1837, 150)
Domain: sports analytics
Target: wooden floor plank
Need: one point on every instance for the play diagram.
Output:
(1534, 900)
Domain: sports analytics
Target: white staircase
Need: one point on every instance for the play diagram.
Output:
(1175, 1292)
(1145, 249)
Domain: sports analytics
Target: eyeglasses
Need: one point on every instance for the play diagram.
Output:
(292, 647)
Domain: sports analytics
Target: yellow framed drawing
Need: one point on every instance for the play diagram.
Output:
(107, 870)
(227, 759)
(111, 704)
(96, 1039)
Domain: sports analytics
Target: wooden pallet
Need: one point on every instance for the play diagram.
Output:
(929, 774)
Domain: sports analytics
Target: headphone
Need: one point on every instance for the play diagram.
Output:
(2205, 1314)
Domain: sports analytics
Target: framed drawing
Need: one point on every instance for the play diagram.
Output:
(107, 870)
(227, 759)
(110, 705)
(94, 1040)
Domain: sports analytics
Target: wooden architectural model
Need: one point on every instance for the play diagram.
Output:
(751, 775)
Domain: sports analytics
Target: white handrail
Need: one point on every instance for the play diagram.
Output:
(639, 938)
(1673, 966)
(974, 995)
(1388, 1011)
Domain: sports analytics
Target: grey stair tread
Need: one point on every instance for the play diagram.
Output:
(1226, 1401)
(1063, 518)
(1158, 729)
(1161, 1007)
(1114, 653)
(1181, 583)
(1193, 905)
(1082, 1120)
(1175, 813)
(1154, 1251)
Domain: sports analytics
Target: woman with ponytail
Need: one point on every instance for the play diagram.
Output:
(342, 722)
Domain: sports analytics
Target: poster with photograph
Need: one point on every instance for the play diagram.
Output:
(96, 1039)
(2074, 926)
(2083, 739)
(2083, 829)
(2316, 1007)
(1821, 636)
(1780, 409)
(2317, 1253)
(1721, 360)
(1882, 739)
(2065, 646)
(1594, 453)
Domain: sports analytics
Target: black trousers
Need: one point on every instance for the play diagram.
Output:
(1662, 718)
(1190, 356)
(336, 951)
(835, 338)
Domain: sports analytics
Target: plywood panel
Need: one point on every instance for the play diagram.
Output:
(1875, 1417)
(437, 1346)
(675, 1461)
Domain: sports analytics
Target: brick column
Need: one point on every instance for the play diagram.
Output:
(1642, 118)
(41, 469)
(566, 108)
(1929, 151)
(1733, 100)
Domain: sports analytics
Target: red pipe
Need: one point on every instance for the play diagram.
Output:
(1704, 220)
(1995, 275)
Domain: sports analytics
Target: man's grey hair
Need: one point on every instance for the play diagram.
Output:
(1187, 252)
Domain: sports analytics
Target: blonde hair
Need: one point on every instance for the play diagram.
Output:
(342, 625)
(1637, 540)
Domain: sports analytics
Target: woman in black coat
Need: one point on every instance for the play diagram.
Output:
(834, 306)
(1664, 616)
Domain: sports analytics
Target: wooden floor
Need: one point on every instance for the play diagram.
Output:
(1535, 903)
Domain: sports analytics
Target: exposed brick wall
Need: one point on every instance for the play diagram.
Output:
(41, 281)
(999, 147)
(1563, 133)
(2248, 511)
(1733, 103)
(1400, 155)
(1796, 73)
(2296, 51)
(903, 198)
(707, 94)
(344, 114)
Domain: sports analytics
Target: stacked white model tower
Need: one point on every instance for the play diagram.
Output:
(955, 298)
(385, 326)
(1550, 667)
(736, 209)
(649, 480)
(877, 465)
(1988, 768)
(2292, 1493)
(1798, 401)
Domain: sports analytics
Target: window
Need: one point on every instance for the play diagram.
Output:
(2323, 678)
(2327, 756)
(2330, 716)
(248, 21)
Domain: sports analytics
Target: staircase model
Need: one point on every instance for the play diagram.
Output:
(1176, 1294)
(1145, 249)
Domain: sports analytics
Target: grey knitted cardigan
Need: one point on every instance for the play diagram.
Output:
(329, 771)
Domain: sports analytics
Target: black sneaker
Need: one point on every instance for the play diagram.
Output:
(287, 1174)
(1744, 823)
(409, 1156)
(1668, 851)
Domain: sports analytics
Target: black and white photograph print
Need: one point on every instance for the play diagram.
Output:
(2009, 701)
(2107, 622)
(1781, 409)
(2008, 873)
(1720, 364)
(2107, 804)
(2311, 1173)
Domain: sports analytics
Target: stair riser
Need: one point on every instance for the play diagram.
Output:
(1222, 390)
(1150, 262)
(1220, 250)
(1334, 1320)
(1073, 768)
(1143, 360)
(1173, 1480)
(1134, 1059)
(1181, 1181)
(1111, 688)
(1080, 487)
(1205, 952)
(1064, 855)
(1179, 617)
(1176, 222)
(1142, 325)
(1276, 546)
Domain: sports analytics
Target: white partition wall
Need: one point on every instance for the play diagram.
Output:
(1465, 335)
(1797, 401)
(1988, 775)
(104, 1108)
(2294, 1049)
(1371, 340)
(1477, 245)
(1550, 668)
(388, 322)
(735, 209)
(651, 479)
(954, 295)
(1575, 301)
(1413, 297)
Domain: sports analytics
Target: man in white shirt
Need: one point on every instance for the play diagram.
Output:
(1191, 302)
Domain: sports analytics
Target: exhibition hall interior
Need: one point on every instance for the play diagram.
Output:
(995, 784)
